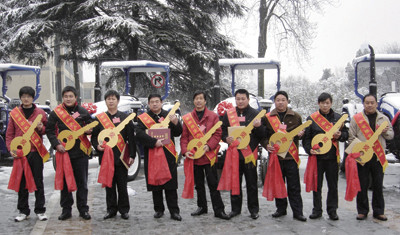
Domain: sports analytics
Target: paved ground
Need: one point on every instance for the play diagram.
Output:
(141, 219)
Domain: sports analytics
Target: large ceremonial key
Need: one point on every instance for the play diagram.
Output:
(324, 140)
(68, 137)
(244, 133)
(285, 139)
(366, 148)
(198, 144)
(24, 140)
(165, 122)
(111, 135)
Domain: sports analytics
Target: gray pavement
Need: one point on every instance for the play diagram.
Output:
(141, 219)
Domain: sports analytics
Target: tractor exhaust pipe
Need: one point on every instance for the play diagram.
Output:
(372, 81)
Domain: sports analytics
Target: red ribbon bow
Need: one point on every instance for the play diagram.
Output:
(64, 168)
(230, 173)
(21, 165)
(311, 173)
(274, 186)
(106, 173)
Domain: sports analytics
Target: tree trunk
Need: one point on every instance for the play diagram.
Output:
(133, 55)
(76, 73)
(262, 44)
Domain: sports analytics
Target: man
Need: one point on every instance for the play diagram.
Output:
(244, 114)
(116, 202)
(62, 118)
(361, 124)
(202, 120)
(283, 118)
(20, 121)
(151, 145)
(328, 163)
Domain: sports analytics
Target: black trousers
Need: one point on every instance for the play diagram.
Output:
(36, 163)
(250, 174)
(290, 174)
(210, 173)
(374, 168)
(171, 196)
(331, 169)
(118, 202)
(80, 168)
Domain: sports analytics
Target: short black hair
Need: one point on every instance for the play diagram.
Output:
(111, 93)
(370, 94)
(324, 96)
(27, 90)
(69, 88)
(152, 96)
(199, 93)
(284, 93)
(242, 91)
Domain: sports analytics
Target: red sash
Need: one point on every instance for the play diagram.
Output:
(247, 154)
(24, 125)
(325, 125)
(368, 132)
(148, 122)
(108, 124)
(197, 134)
(275, 122)
(70, 122)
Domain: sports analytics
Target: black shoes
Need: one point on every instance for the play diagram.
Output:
(233, 214)
(333, 216)
(65, 215)
(380, 217)
(158, 214)
(176, 216)
(222, 215)
(300, 218)
(361, 217)
(278, 214)
(125, 216)
(254, 215)
(109, 215)
(315, 215)
(85, 215)
(199, 211)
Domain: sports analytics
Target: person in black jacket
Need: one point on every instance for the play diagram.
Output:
(245, 114)
(327, 163)
(78, 153)
(157, 114)
(116, 202)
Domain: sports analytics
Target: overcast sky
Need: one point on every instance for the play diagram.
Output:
(342, 30)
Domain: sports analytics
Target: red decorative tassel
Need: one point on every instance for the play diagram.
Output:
(106, 173)
(311, 173)
(274, 186)
(64, 168)
(353, 182)
(21, 165)
(158, 169)
(230, 174)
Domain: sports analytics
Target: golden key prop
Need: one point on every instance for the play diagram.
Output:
(69, 137)
(285, 139)
(111, 135)
(365, 148)
(243, 134)
(165, 122)
(198, 144)
(24, 140)
(324, 140)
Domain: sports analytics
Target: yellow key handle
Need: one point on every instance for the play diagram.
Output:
(23, 142)
(69, 137)
(111, 135)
